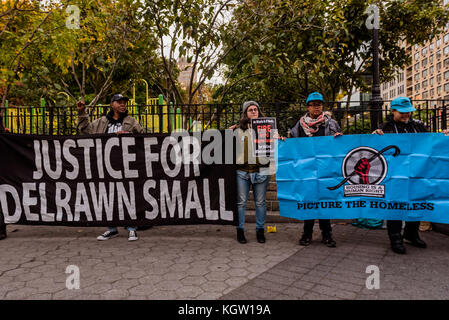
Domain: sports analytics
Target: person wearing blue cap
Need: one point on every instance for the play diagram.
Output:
(316, 123)
(402, 122)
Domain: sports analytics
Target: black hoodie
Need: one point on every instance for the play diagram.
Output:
(115, 125)
(412, 126)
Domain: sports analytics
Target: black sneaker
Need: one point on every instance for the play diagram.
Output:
(306, 239)
(328, 241)
(107, 235)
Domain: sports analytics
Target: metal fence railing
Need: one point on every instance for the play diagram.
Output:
(353, 118)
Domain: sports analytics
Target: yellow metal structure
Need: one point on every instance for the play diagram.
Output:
(155, 117)
(32, 120)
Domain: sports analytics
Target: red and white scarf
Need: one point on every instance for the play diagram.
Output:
(310, 125)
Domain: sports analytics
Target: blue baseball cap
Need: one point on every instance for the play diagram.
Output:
(315, 96)
(402, 104)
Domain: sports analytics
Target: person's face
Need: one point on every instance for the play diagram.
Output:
(252, 112)
(315, 108)
(119, 106)
(401, 116)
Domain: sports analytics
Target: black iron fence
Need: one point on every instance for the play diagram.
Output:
(353, 118)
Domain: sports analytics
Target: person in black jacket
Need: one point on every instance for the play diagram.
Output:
(402, 122)
(316, 123)
(2, 228)
(2, 222)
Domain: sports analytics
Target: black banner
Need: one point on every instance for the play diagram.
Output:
(116, 180)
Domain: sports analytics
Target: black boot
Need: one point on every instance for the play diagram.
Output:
(397, 245)
(305, 239)
(260, 235)
(415, 240)
(2, 232)
(328, 241)
(241, 235)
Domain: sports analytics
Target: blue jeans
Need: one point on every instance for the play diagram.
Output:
(114, 229)
(260, 184)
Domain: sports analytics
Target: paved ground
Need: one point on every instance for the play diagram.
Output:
(206, 262)
(341, 273)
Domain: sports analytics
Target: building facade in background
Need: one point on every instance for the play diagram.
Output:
(427, 77)
(394, 88)
(185, 72)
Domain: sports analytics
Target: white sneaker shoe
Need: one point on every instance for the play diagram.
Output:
(132, 236)
(107, 235)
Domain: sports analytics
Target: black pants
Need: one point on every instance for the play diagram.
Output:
(410, 230)
(325, 226)
(2, 230)
(2, 225)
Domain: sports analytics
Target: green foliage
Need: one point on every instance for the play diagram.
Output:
(358, 127)
(270, 50)
(192, 29)
(105, 55)
(296, 47)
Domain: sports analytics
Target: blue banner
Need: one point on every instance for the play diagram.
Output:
(392, 177)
